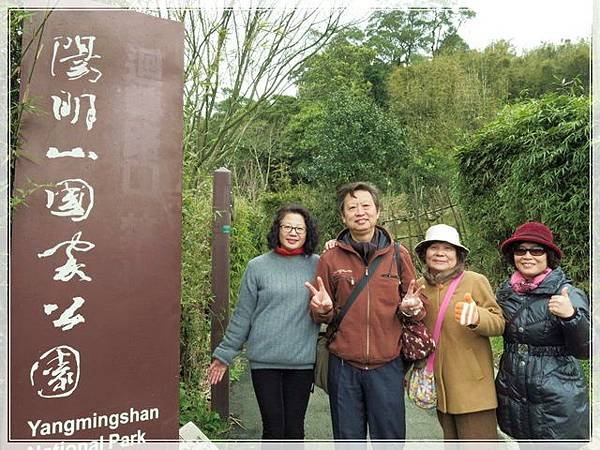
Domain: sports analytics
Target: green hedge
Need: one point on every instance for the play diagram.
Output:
(531, 163)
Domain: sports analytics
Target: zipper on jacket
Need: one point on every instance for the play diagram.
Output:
(368, 315)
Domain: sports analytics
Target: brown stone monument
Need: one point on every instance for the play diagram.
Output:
(95, 257)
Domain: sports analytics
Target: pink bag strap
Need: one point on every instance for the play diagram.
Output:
(437, 330)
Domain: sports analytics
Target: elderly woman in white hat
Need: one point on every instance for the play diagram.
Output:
(463, 367)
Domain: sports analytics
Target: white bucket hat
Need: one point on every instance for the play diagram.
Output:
(441, 232)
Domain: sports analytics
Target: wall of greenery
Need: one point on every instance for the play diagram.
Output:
(530, 163)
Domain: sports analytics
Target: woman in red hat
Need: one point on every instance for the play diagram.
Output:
(542, 393)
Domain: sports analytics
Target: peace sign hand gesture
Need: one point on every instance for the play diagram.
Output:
(411, 303)
(560, 305)
(321, 301)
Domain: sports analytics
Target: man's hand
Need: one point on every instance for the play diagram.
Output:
(216, 370)
(560, 305)
(411, 303)
(331, 243)
(321, 301)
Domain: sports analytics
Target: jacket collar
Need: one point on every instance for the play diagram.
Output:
(385, 241)
(551, 284)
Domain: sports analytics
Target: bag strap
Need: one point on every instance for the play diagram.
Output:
(437, 330)
(335, 323)
(403, 288)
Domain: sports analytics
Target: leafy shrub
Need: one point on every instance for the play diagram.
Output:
(196, 294)
(348, 138)
(193, 407)
(531, 163)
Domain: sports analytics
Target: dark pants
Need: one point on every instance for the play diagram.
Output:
(360, 397)
(282, 396)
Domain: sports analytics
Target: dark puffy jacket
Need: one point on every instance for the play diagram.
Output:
(541, 389)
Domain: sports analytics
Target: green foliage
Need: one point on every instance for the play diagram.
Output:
(439, 101)
(342, 66)
(548, 67)
(248, 240)
(400, 35)
(497, 343)
(377, 75)
(237, 369)
(19, 107)
(349, 139)
(531, 163)
(19, 195)
(196, 295)
(194, 407)
(260, 159)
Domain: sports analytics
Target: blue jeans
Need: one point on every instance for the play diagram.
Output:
(359, 398)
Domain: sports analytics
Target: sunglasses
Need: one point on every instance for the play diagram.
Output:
(533, 251)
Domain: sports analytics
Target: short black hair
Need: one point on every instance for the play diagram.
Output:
(351, 188)
(312, 232)
(552, 257)
(461, 253)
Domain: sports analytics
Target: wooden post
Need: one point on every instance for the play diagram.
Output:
(222, 208)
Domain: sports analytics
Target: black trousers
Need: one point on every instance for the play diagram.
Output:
(282, 396)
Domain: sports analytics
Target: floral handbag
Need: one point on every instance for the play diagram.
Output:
(421, 387)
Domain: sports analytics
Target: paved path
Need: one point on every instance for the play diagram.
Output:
(420, 424)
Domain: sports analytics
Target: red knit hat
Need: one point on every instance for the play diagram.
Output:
(532, 232)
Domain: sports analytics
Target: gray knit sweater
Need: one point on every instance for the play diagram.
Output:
(271, 315)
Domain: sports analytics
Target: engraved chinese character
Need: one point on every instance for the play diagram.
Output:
(76, 152)
(71, 267)
(67, 319)
(79, 58)
(77, 199)
(56, 373)
(63, 108)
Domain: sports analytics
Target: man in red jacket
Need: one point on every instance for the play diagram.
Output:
(366, 371)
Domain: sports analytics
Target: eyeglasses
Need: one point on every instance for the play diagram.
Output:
(287, 229)
(533, 251)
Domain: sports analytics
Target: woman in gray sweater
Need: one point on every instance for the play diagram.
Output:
(271, 318)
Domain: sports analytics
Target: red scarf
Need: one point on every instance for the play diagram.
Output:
(521, 285)
(284, 252)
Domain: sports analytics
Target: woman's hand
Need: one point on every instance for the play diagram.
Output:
(216, 370)
(411, 303)
(466, 312)
(320, 301)
(331, 243)
(560, 305)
